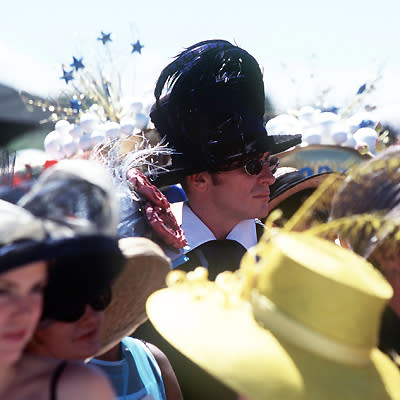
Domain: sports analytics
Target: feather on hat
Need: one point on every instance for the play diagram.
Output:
(212, 111)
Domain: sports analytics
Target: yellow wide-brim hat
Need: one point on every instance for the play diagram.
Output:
(298, 320)
(145, 271)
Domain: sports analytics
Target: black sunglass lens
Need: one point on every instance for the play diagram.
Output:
(254, 167)
(71, 314)
(101, 301)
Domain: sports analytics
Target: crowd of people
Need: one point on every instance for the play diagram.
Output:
(121, 277)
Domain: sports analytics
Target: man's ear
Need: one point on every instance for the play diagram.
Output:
(199, 181)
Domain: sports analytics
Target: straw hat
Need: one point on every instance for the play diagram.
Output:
(303, 170)
(145, 272)
(362, 206)
(299, 320)
(291, 188)
(373, 189)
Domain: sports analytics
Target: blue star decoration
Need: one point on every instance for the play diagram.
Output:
(137, 47)
(67, 75)
(77, 64)
(105, 37)
(366, 123)
(75, 104)
(362, 88)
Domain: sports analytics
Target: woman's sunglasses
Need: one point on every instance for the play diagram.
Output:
(255, 166)
(74, 311)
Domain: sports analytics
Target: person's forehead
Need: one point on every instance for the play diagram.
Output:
(231, 175)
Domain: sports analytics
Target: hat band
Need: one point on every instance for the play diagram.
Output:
(267, 314)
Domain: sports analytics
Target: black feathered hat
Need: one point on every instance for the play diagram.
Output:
(212, 111)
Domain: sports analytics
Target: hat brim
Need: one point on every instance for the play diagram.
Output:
(226, 341)
(21, 253)
(172, 174)
(145, 271)
(284, 190)
(315, 159)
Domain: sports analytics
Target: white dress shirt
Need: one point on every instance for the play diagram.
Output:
(197, 232)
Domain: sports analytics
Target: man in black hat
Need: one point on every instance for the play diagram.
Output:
(209, 107)
(212, 116)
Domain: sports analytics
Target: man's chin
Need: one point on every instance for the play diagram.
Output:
(263, 213)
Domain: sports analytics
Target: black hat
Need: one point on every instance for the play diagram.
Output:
(212, 113)
(23, 237)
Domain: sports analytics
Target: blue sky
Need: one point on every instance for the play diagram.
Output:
(303, 46)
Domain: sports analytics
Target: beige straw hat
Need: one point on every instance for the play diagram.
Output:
(144, 273)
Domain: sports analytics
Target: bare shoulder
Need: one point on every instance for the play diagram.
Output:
(77, 380)
(81, 381)
(32, 367)
(172, 388)
(160, 357)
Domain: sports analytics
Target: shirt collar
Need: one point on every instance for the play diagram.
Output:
(197, 232)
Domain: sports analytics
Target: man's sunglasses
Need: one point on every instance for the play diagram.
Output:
(255, 166)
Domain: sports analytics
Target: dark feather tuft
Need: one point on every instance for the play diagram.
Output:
(185, 61)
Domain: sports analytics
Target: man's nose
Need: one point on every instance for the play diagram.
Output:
(266, 176)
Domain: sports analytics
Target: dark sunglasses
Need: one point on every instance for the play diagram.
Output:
(255, 166)
(75, 311)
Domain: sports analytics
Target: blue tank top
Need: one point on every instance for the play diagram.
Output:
(137, 376)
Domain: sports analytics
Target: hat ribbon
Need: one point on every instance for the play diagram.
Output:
(269, 316)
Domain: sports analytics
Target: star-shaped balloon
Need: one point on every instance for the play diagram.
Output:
(105, 37)
(137, 47)
(77, 64)
(67, 75)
